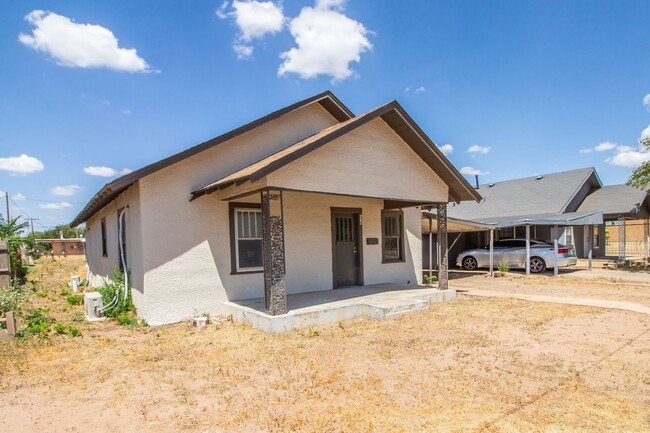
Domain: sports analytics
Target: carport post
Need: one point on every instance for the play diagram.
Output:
(590, 240)
(491, 252)
(555, 271)
(527, 250)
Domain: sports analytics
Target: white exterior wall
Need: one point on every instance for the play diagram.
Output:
(102, 267)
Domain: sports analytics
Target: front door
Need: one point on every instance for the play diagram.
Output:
(346, 252)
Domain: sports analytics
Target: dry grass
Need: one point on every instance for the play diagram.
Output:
(492, 365)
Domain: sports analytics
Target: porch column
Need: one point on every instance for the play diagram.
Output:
(443, 259)
(430, 246)
(275, 293)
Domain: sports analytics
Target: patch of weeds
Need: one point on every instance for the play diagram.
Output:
(312, 332)
(64, 292)
(503, 266)
(112, 292)
(74, 299)
(77, 316)
(341, 325)
(125, 319)
(37, 322)
(430, 279)
(10, 300)
(41, 294)
(70, 330)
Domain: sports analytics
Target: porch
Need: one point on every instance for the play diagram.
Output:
(380, 301)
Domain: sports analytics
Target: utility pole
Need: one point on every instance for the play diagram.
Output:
(7, 200)
(31, 222)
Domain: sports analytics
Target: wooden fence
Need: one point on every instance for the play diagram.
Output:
(4, 265)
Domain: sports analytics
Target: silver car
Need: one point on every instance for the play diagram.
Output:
(513, 251)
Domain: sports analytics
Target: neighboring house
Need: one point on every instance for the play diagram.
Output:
(62, 247)
(307, 198)
(575, 192)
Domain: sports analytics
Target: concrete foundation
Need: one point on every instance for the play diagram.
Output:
(381, 301)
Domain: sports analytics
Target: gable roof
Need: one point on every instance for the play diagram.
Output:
(114, 188)
(616, 200)
(395, 117)
(535, 195)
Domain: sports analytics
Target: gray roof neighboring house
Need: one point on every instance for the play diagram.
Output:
(536, 195)
(617, 200)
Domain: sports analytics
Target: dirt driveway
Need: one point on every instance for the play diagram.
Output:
(476, 364)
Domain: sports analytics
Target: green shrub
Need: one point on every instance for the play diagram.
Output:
(125, 319)
(62, 329)
(11, 298)
(430, 279)
(503, 266)
(110, 289)
(37, 323)
(75, 299)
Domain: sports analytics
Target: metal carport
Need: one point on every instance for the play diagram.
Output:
(555, 220)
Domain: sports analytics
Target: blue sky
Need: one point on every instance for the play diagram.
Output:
(530, 87)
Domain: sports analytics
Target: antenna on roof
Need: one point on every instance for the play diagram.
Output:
(477, 187)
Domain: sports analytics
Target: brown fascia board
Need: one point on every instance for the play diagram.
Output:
(394, 106)
(326, 99)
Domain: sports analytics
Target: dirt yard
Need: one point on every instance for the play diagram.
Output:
(477, 364)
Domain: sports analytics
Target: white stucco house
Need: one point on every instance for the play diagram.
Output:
(307, 198)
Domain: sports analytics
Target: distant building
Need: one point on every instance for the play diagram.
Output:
(65, 247)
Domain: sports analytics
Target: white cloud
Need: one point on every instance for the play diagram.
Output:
(66, 190)
(605, 146)
(472, 171)
(646, 101)
(586, 150)
(105, 171)
(79, 45)
(416, 90)
(18, 196)
(327, 42)
(645, 134)
(629, 158)
(255, 19)
(243, 51)
(620, 149)
(126, 111)
(478, 149)
(55, 206)
(22, 164)
(446, 149)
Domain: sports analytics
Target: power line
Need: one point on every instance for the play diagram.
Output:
(52, 201)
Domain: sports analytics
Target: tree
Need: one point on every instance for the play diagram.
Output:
(640, 177)
(10, 229)
(55, 232)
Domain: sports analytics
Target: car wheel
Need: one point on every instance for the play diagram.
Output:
(469, 263)
(537, 265)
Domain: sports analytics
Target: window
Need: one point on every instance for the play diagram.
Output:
(596, 237)
(393, 234)
(568, 236)
(104, 249)
(246, 237)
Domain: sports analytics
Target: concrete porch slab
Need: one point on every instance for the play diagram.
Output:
(381, 301)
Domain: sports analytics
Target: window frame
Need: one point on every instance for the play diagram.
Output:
(104, 237)
(400, 244)
(234, 245)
